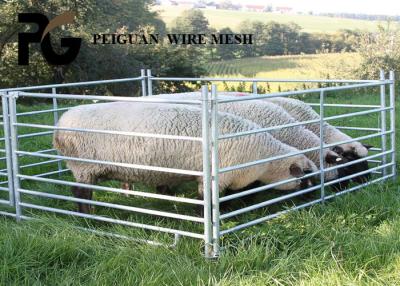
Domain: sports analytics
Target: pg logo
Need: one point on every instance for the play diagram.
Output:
(42, 36)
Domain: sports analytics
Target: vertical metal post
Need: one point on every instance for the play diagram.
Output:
(143, 75)
(7, 147)
(208, 251)
(255, 87)
(215, 171)
(383, 119)
(321, 138)
(393, 122)
(55, 119)
(14, 147)
(149, 84)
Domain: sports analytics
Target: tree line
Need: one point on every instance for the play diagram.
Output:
(270, 39)
(95, 62)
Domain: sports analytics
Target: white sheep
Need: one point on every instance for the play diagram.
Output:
(169, 153)
(268, 115)
(301, 111)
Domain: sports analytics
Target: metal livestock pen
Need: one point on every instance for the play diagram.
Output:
(36, 179)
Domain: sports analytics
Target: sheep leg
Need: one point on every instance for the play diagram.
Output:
(82, 193)
(125, 186)
(200, 196)
(164, 190)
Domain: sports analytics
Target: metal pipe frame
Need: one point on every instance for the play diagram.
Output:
(143, 80)
(215, 79)
(112, 190)
(321, 139)
(210, 138)
(270, 159)
(115, 221)
(298, 193)
(215, 172)
(73, 84)
(208, 223)
(109, 98)
(302, 123)
(149, 83)
(55, 121)
(383, 117)
(113, 206)
(110, 132)
(275, 215)
(306, 91)
(7, 147)
(43, 111)
(125, 165)
(392, 91)
(12, 98)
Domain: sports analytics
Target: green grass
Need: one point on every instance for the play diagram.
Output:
(335, 65)
(352, 240)
(313, 24)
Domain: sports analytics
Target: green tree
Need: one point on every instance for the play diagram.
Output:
(226, 52)
(192, 22)
(94, 62)
(379, 50)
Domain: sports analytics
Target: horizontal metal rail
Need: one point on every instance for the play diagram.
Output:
(4, 202)
(266, 129)
(113, 190)
(42, 111)
(124, 165)
(291, 154)
(41, 151)
(327, 169)
(359, 186)
(370, 170)
(268, 217)
(345, 105)
(7, 214)
(271, 216)
(216, 79)
(30, 135)
(39, 163)
(297, 193)
(264, 188)
(301, 92)
(109, 98)
(269, 202)
(111, 132)
(52, 173)
(359, 139)
(73, 84)
(114, 206)
(357, 128)
(115, 221)
(5, 189)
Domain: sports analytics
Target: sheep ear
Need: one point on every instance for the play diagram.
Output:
(296, 171)
(368, 146)
(339, 150)
(333, 158)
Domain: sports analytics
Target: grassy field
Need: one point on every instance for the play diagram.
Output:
(352, 240)
(338, 65)
(313, 24)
